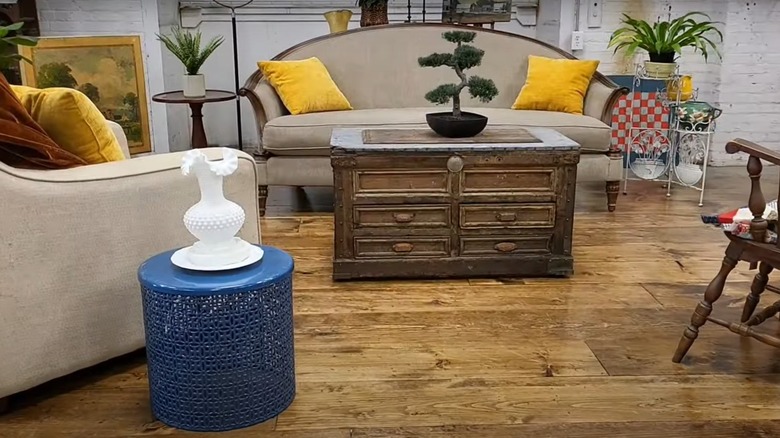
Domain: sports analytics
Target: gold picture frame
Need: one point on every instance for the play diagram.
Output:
(108, 69)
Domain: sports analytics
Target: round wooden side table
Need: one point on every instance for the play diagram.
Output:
(196, 107)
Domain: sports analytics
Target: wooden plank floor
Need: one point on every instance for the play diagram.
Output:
(588, 356)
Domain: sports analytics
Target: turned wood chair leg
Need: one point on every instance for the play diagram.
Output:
(757, 287)
(613, 188)
(704, 308)
(262, 197)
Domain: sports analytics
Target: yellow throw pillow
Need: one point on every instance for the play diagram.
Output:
(72, 121)
(304, 86)
(555, 85)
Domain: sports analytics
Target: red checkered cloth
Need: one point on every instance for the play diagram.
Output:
(648, 113)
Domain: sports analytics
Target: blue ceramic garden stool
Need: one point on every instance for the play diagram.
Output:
(219, 344)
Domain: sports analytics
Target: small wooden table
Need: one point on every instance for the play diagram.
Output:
(411, 204)
(196, 107)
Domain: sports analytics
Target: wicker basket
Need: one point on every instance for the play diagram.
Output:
(373, 15)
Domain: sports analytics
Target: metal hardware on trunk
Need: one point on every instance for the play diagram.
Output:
(403, 218)
(403, 247)
(455, 164)
(505, 246)
(506, 217)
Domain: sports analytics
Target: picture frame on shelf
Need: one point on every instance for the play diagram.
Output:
(108, 69)
(476, 12)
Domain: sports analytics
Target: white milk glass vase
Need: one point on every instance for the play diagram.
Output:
(214, 220)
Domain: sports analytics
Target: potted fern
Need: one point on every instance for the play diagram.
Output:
(664, 40)
(187, 48)
(457, 123)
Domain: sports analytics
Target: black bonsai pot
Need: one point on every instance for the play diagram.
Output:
(447, 125)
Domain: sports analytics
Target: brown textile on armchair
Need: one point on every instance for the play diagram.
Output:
(23, 143)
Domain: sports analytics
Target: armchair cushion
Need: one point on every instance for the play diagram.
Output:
(24, 143)
(72, 121)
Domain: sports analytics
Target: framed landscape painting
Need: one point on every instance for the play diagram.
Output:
(108, 69)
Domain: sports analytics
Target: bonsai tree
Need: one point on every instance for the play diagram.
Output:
(664, 40)
(464, 57)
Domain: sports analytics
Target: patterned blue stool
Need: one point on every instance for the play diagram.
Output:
(219, 344)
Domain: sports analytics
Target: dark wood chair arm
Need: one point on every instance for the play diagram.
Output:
(753, 149)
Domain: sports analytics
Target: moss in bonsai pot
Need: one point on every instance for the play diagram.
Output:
(664, 40)
(457, 123)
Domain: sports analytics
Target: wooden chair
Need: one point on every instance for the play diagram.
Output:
(765, 256)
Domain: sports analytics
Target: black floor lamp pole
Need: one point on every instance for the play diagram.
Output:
(235, 67)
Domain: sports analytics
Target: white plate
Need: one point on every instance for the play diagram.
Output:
(180, 259)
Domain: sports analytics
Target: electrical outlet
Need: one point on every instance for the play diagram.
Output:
(577, 40)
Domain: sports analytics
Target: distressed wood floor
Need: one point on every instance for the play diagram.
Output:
(588, 356)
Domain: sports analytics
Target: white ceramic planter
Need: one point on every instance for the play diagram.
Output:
(660, 70)
(194, 85)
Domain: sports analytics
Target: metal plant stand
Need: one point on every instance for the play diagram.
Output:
(676, 155)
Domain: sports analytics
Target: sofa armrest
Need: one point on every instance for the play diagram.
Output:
(265, 101)
(72, 243)
(119, 133)
(601, 98)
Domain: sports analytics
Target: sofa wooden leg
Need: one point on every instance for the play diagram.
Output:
(262, 197)
(613, 188)
(5, 403)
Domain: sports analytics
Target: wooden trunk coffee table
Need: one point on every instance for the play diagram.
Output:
(411, 204)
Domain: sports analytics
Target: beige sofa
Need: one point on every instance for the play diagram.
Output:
(72, 243)
(376, 69)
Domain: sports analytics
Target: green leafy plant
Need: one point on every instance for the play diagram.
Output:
(665, 39)
(9, 39)
(464, 57)
(186, 46)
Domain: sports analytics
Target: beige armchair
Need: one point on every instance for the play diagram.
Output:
(72, 241)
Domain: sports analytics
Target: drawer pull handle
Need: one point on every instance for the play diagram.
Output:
(403, 218)
(403, 247)
(505, 246)
(506, 217)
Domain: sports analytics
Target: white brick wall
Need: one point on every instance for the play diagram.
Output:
(750, 76)
(745, 83)
(115, 17)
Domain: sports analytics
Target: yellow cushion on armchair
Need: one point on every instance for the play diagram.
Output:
(72, 121)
